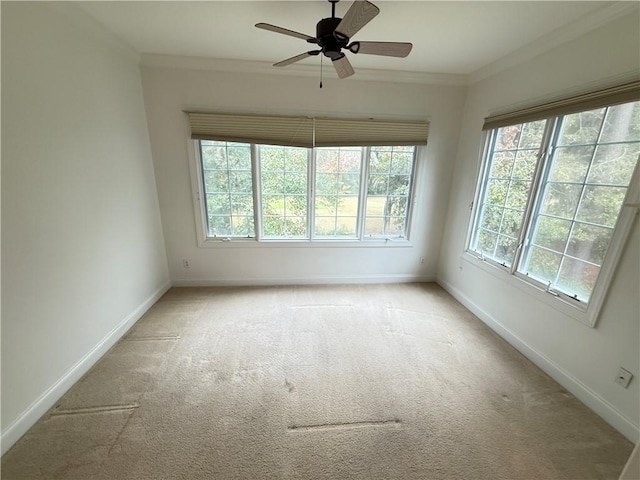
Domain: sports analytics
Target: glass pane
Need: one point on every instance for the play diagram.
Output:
(240, 181)
(242, 226)
(561, 199)
(402, 163)
(326, 206)
(506, 249)
(502, 164)
(532, 135)
(589, 242)
(216, 181)
(622, 123)
(487, 242)
(517, 196)
(295, 205)
(219, 225)
(396, 206)
(273, 226)
(581, 128)
(239, 157)
(378, 184)
(295, 226)
(213, 157)
(295, 183)
(375, 206)
(374, 226)
(272, 205)
(570, 164)
(242, 205)
(271, 158)
(395, 226)
(577, 278)
(338, 187)
(346, 226)
(327, 160)
(497, 192)
(350, 160)
(218, 204)
(491, 218)
(296, 160)
(284, 182)
(601, 205)
(511, 222)
(348, 206)
(552, 233)
(325, 226)
(614, 164)
(508, 137)
(543, 264)
(525, 164)
(349, 183)
(228, 188)
(388, 190)
(380, 162)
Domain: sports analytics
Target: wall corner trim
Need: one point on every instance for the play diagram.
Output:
(42, 404)
(586, 395)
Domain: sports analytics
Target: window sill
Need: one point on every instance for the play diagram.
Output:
(538, 293)
(303, 243)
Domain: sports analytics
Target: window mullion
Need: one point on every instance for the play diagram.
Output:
(535, 195)
(257, 192)
(311, 193)
(365, 158)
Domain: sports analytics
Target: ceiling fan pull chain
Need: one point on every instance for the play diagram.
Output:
(321, 70)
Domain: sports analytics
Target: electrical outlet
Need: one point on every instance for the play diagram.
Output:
(623, 378)
(186, 264)
(421, 260)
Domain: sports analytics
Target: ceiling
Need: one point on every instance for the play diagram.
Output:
(450, 37)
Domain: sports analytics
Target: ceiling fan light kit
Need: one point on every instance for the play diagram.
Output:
(333, 35)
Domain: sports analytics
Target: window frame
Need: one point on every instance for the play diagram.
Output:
(585, 312)
(205, 241)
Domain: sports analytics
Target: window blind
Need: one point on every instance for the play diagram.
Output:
(628, 92)
(306, 131)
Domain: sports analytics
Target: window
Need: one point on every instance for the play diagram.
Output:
(271, 192)
(549, 202)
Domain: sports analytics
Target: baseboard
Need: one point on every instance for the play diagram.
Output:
(328, 280)
(49, 398)
(593, 400)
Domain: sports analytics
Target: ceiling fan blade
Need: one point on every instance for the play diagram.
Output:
(389, 49)
(343, 66)
(297, 58)
(360, 13)
(284, 31)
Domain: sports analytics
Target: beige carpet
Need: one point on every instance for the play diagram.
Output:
(316, 382)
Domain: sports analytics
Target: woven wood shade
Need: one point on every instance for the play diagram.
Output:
(304, 131)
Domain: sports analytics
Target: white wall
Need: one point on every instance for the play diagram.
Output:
(583, 359)
(82, 248)
(169, 91)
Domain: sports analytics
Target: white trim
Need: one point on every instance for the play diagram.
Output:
(48, 399)
(562, 35)
(318, 280)
(152, 60)
(586, 395)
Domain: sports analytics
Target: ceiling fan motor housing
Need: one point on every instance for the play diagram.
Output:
(331, 46)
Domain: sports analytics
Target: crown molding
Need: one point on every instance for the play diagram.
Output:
(562, 35)
(264, 68)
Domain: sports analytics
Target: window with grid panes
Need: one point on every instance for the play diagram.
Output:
(551, 194)
(354, 193)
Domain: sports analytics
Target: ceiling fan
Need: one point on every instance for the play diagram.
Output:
(333, 35)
